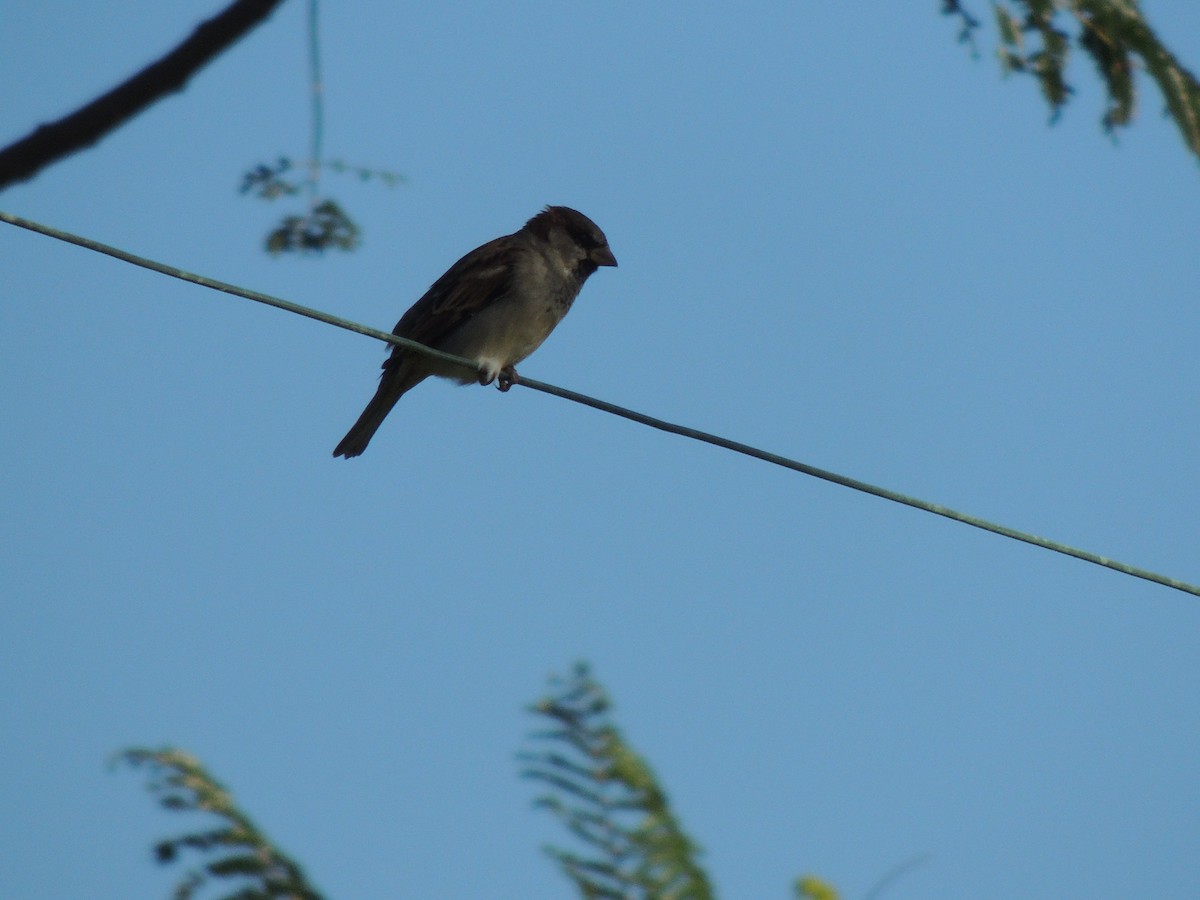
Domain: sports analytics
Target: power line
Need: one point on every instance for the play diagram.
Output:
(613, 409)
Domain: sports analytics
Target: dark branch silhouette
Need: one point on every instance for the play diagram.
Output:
(51, 142)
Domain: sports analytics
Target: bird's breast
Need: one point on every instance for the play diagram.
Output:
(506, 332)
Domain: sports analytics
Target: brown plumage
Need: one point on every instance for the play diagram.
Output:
(494, 306)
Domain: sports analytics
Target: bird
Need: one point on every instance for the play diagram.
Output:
(495, 306)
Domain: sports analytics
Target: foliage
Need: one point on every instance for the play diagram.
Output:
(236, 853)
(1036, 36)
(323, 227)
(629, 844)
(608, 798)
(811, 888)
(326, 225)
(268, 182)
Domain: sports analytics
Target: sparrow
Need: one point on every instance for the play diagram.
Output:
(494, 307)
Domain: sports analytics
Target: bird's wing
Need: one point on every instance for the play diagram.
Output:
(472, 284)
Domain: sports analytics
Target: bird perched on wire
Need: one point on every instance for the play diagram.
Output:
(494, 306)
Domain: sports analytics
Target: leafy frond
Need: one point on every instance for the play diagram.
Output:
(629, 844)
(267, 181)
(967, 23)
(1036, 36)
(326, 226)
(234, 852)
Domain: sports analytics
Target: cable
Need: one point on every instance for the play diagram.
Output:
(613, 409)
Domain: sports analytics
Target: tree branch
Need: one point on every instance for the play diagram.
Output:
(51, 142)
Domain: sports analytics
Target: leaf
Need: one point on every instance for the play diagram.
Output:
(609, 800)
(235, 851)
(325, 227)
(812, 888)
(1010, 28)
(1113, 34)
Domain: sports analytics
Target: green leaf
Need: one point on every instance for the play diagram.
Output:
(235, 850)
(1010, 28)
(811, 888)
(608, 799)
(1035, 38)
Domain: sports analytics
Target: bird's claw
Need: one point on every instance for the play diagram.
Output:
(504, 379)
(508, 377)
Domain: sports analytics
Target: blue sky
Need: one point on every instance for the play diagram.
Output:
(840, 238)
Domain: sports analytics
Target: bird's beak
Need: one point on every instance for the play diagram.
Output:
(602, 256)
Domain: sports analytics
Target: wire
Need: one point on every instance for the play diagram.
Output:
(613, 409)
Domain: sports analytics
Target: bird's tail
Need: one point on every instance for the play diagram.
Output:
(395, 384)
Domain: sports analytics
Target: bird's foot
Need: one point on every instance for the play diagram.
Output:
(508, 377)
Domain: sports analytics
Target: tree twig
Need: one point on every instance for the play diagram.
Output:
(51, 142)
